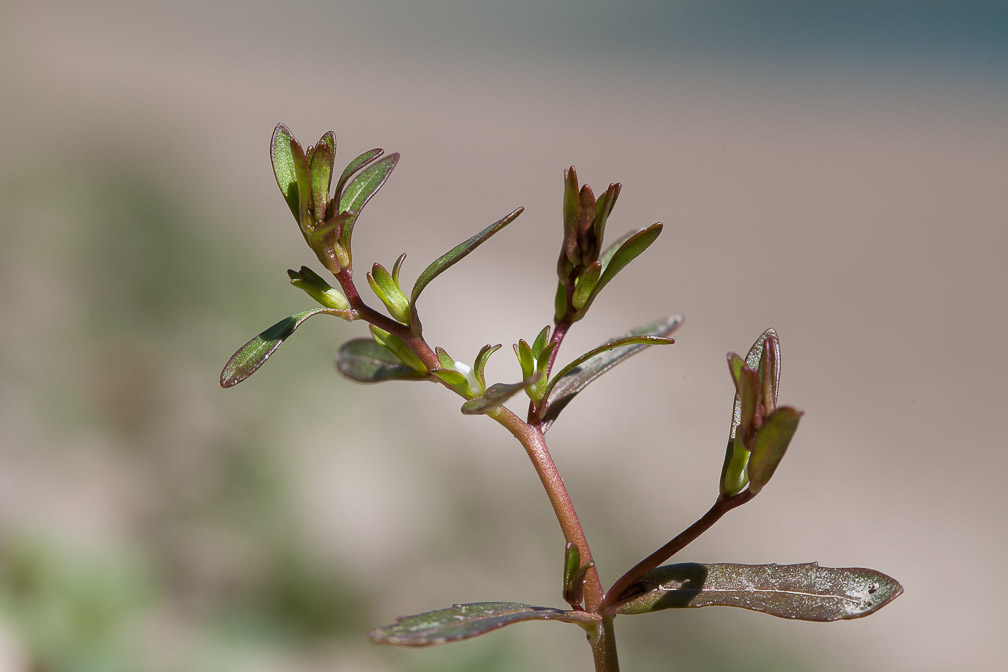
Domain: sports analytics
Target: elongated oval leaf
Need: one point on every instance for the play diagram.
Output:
(462, 621)
(771, 442)
(579, 374)
(254, 354)
(283, 167)
(355, 165)
(365, 361)
(320, 167)
(458, 253)
(360, 190)
(616, 257)
(804, 592)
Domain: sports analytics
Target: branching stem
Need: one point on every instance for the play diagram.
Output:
(623, 585)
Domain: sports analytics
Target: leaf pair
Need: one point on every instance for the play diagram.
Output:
(304, 178)
(760, 431)
(804, 592)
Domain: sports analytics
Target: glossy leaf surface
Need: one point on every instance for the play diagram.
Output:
(581, 372)
(365, 361)
(283, 166)
(254, 354)
(458, 253)
(360, 189)
(355, 165)
(616, 257)
(804, 592)
(462, 621)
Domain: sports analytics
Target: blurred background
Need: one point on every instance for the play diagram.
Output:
(837, 171)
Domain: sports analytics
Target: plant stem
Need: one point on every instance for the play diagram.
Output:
(531, 437)
(603, 645)
(722, 506)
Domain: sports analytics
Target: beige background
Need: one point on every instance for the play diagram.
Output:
(839, 176)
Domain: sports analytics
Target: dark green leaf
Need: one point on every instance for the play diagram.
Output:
(320, 167)
(494, 396)
(254, 354)
(582, 371)
(365, 361)
(771, 442)
(360, 190)
(604, 207)
(457, 253)
(283, 167)
(463, 621)
(303, 176)
(586, 284)
(619, 254)
(805, 592)
(398, 348)
(355, 165)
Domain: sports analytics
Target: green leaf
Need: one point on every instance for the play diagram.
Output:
(804, 592)
(494, 396)
(734, 471)
(586, 284)
(321, 167)
(526, 360)
(283, 167)
(303, 176)
(574, 573)
(771, 442)
(572, 563)
(355, 165)
(604, 207)
(481, 362)
(540, 342)
(365, 361)
(619, 254)
(254, 354)
(360, 190)
(457, 253)
(571, 216)
(399, 348)
(462, 621)
(577, 375)
(312, 284)
(386, 288)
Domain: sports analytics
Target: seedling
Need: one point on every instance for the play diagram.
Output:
(759, 435)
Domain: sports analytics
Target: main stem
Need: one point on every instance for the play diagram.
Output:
(532, 439)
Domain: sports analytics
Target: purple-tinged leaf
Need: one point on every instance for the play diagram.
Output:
(804, 592)
(360, 189)
(457, 253)
(577, 375)
(355, 165)
(462, 621)
(616, 257)
(254, 354)
(771, 442)
(321, 166)
(365, 361)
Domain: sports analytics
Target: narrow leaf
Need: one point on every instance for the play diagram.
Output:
(481, 361)
(365, 361)
(622, 252)
(457, 253)
(355, 165)
(494, 396)
(283, 167)
(463, 621)
(804, 592)
(303, 176)
(771, 442)
(320, 167)
(254, 354)
(360, 190)
(582, 371)
(572, 563)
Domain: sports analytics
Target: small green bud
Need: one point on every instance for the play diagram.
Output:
(386, 288)
(312, 284)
